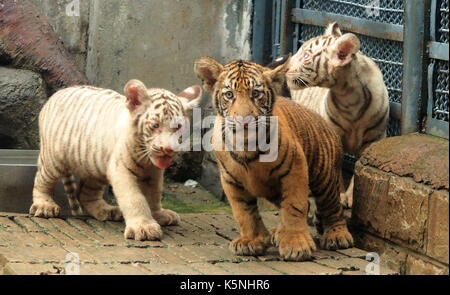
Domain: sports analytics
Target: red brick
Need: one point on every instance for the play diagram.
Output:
(301, 268)
(32, 269)
(169, 269)
(28, 224)
(208, 269)
(9, 225)
(248, 268)
(66, 228)
(111, 269)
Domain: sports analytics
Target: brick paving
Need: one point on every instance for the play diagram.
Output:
(199, 245)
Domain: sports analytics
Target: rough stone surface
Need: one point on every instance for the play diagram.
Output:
(400, 208)
(22, 94)
(417, 266)
(199, 245)
(391, 256)
(70, 20)
(425, 158)
(390, 206)
(438, 230)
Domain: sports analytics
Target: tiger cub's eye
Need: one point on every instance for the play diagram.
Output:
(256, 94)
(154, 125)
(229, 94)
(177, 127)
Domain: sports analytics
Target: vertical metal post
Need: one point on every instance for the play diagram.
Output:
(261, 39)
(413, 64)
(276, 27)
(287, 27)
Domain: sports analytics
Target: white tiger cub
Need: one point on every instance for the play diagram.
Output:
(104, 137)
(329, 75)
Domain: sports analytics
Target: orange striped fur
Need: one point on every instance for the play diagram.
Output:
(309, 158)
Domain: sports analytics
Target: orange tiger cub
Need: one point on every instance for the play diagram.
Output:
(309, 158)
(107, 138)
(329, 75)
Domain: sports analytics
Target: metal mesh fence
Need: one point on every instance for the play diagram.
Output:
(443, 23)
(386, 11)
(440, 83)
(387, 54)
(440, 97)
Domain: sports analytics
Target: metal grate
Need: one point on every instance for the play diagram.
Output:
(443, 22)
(440, 98)
(386, 11)
(386, 53)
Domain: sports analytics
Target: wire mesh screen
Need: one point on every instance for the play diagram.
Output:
(443, 22)
(386, 53)
(440, 99)
(440, 83)
(386, 11)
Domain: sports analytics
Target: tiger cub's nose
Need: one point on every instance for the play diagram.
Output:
(168, 151)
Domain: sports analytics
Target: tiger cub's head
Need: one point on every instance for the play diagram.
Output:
(241, 88)
(321, 60)
(158, 116)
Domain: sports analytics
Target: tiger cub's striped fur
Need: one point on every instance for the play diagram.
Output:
(104, 137)
(330, 76)
(309, 157)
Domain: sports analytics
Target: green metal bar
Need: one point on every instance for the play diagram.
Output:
(413, 65)
(438, 50)
(261, 40)
(349, 23)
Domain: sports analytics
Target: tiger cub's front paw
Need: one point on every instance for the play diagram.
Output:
(45, 209)
(143, 230)
(250, 247)
(166, 217)
(337, 237)
(293, 245)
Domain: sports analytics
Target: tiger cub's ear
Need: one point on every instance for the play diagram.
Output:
(208, 70)
(277, 76)
(333, 30)
(344, 49)
(190, 97)
(136, 92)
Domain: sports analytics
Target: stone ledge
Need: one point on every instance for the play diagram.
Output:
(401, 203)
(425, 158)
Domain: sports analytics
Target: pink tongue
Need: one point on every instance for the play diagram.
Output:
(163, 162)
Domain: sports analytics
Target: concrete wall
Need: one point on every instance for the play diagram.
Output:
(155, 41)
(152, 40)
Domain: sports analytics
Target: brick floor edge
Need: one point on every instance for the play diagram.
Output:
(199, 245)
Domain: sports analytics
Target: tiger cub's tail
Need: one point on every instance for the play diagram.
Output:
(70, 188)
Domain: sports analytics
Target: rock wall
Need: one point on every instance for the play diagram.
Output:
(401, 207)
(22, 94)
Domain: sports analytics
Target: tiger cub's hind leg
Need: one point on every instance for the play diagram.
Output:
(43, 203)
(91, 198)
(331, 213)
